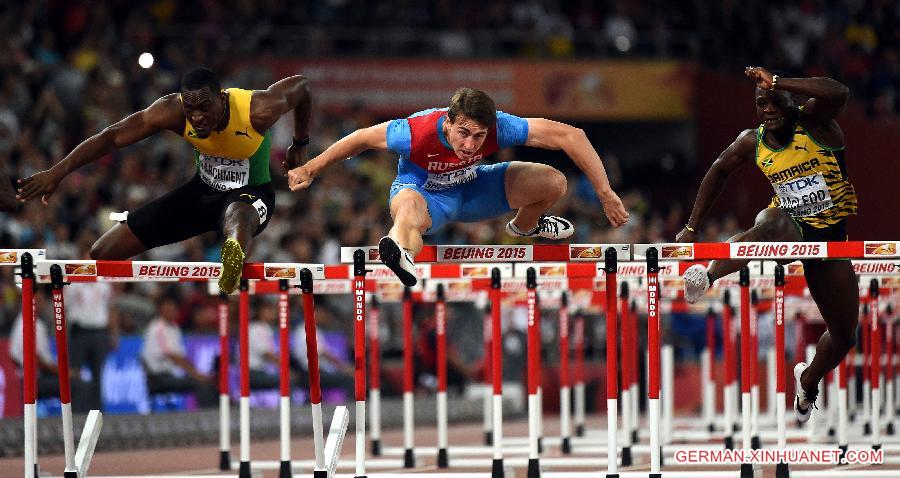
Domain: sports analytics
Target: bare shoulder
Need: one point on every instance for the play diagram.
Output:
(166, 113)
(745, 143)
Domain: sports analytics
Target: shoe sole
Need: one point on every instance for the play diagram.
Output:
(232, 266)
(801, 417)
(389, 252)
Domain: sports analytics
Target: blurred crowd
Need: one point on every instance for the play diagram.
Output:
(69, 69)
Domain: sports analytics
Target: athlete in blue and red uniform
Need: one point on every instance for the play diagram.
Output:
(439, 180)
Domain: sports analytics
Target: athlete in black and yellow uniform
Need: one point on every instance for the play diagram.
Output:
(232, 188)
(800, 149)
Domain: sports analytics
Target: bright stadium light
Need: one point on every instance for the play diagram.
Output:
(622, 43)
(145, 60)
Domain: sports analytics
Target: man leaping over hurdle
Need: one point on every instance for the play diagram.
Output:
(232, 188)
(439, 180)
(800, 149)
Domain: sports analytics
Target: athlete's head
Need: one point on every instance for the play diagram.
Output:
(775, 108)
(203, 100)
(471, 113)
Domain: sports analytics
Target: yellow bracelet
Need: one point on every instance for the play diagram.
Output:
(689, 228)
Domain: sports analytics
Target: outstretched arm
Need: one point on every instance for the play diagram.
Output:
(740, 152)
(289, 94)
(164, 113)
(373, 137)
(547, 134)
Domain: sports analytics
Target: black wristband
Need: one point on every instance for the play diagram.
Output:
(300, 142)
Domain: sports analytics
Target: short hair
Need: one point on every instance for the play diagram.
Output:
(200, 77)
(473, 104)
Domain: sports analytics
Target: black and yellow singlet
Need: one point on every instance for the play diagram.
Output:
(238, 155)
(810, 180)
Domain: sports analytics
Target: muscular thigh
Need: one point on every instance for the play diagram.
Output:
(523, 179)
(184, 212)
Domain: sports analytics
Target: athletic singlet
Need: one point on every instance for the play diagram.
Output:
(428, 161)
(238, 155)
(810, 180)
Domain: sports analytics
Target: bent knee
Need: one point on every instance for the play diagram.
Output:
(556, 183)
(778, 225)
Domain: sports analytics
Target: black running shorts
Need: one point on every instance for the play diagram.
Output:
(195, 208)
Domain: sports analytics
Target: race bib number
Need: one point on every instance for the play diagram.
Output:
(224, 174)
(439, 181)
(804, 196)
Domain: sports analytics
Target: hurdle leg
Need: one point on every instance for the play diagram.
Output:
(244, 317)
(708, 379)
(359, 360)
(409, 459)
(29, 375)
(781, 469)
(612, 386)
(627, 352)
(62, 360)
(224, 412)
(653, 363)
(565, 397)
(746, 369)
(312, 357)
(440, 313)
(497, 470)
(488, 408)
(375, 378)
(285, 470)
(579, 377)
(533, 352)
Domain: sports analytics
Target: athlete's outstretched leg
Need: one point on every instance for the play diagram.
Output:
(411, 219)
(533, 188)
(117, 244)
(833, 285)
(404, 241)
(771, 225)
(240, 222)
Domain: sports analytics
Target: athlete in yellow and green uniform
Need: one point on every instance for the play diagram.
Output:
(231, 190)
(800, 149)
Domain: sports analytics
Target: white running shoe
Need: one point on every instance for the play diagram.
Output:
(549, 227)
(398, 260)
(696, 283)
(804, 401)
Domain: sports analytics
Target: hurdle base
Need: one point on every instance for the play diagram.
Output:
(876, 447)
(497, 468)
(634, 437)
(579, 430)
(867, 428)
(442, 460)
(285, 470)
(890, 429)
(843, 449)
(729, 442)
(320, 474)
(782, 471)
(409, 460)
(755, 443)
(540, 443)
(746, 470)
(655, 475)
(37, 471)
(831, 432)
(244, 470)
(662, 457)
(626, 456)
(70, 474)
(711, 428)
(376, 447)
(566, 446)
(534, 468)
(488, 438)
(224, 460)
